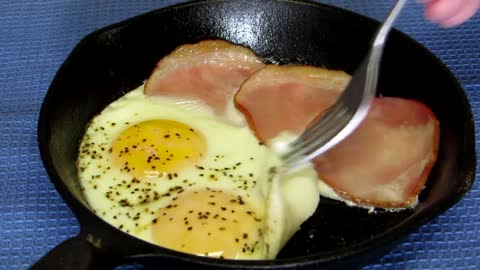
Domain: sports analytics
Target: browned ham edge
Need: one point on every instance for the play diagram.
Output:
(386, 162)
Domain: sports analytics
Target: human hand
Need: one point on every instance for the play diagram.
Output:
(450, 13)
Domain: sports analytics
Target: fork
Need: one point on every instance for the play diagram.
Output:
(349, 110)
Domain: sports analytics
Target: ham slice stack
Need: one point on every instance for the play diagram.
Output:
(385, 163)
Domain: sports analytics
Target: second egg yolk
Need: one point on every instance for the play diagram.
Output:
(210, 223)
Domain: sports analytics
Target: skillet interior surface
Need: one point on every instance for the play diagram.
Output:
(115, 60)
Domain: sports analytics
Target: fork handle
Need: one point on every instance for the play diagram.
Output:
(388, 23)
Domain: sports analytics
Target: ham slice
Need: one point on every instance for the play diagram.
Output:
(386, 161)
(287, 98)
(210, 71)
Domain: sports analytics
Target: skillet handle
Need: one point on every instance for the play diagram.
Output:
(74, 254)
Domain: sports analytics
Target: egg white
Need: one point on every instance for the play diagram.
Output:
(284, 202)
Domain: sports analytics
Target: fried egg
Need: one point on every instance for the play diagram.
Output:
(174, 175)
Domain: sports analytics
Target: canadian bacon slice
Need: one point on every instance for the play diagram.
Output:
(210, 71)
(386, 161)
(279, 99)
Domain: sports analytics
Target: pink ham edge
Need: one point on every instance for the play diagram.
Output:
(279, 98)
(391, 153)
(286, 98)
(210, 71)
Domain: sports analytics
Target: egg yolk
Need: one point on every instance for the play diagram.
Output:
(209, 223)
(157, 148)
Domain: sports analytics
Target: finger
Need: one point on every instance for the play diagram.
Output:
(467, 11)
(441, 10)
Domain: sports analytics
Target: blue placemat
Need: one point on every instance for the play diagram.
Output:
(36, 36)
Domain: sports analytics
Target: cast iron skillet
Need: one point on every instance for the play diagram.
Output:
(112, 61)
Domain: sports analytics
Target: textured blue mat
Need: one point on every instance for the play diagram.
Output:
(36, 36)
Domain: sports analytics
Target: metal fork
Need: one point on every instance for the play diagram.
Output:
(350, 109)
